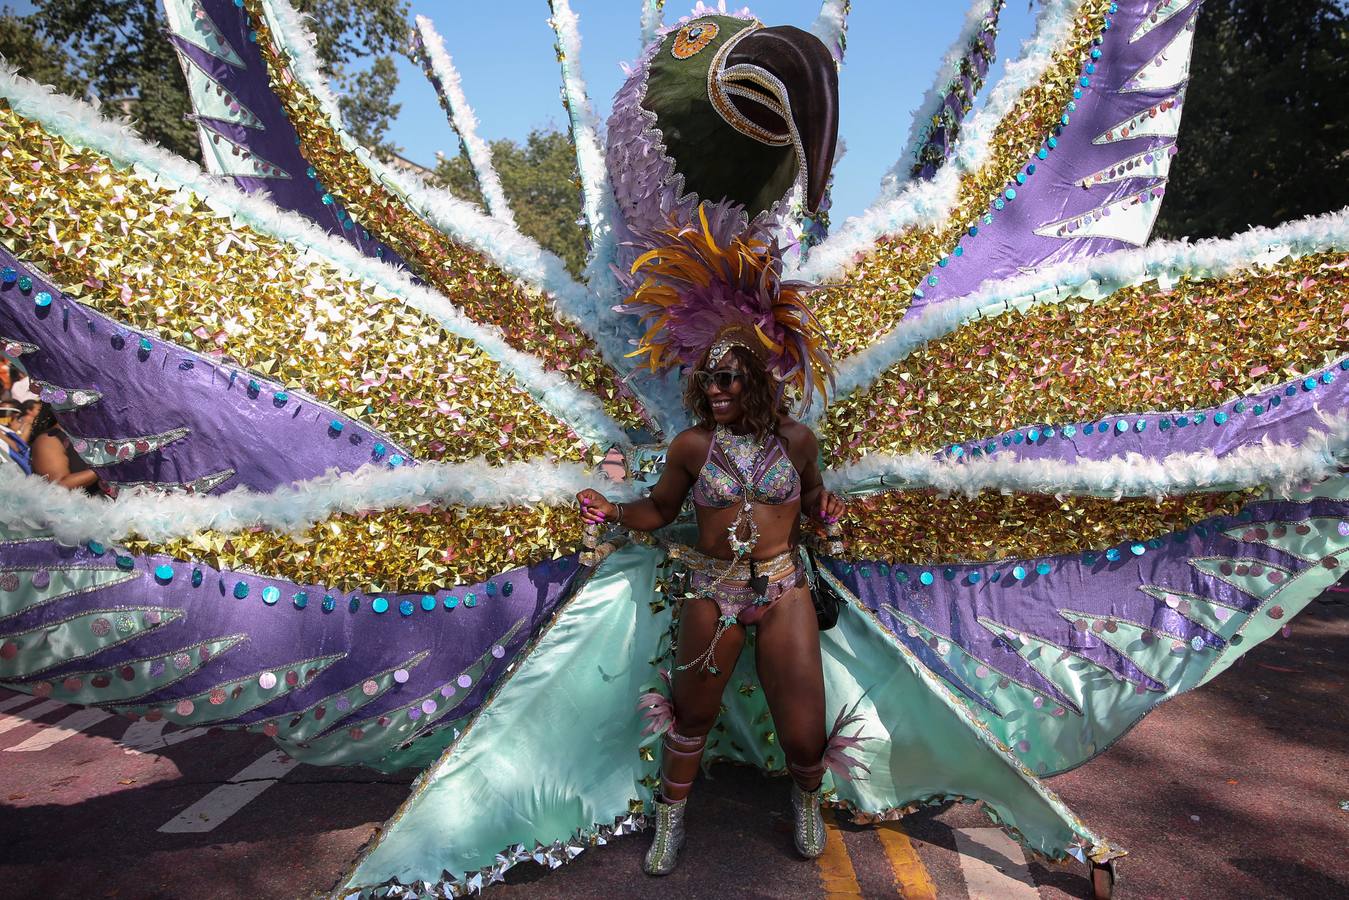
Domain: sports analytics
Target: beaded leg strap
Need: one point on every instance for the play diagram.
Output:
(807, 774)
(677, 746)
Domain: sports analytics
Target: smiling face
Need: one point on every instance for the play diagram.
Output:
(725, 388)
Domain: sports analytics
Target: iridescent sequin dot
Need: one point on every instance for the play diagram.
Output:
(465, 680)
(498, 651)
(267, 680)
(401, 676)
(100, 627)
(370, 688)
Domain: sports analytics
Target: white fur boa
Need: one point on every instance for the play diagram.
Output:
(32, 503)
(1275, 466)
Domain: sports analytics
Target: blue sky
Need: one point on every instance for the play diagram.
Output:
(504, 53)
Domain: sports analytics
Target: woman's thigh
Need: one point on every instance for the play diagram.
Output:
(787, 651)
(697, 693)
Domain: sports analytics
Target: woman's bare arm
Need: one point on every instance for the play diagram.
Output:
(805, 448)
(682, 462)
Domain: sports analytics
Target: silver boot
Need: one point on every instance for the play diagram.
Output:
(809, 831)
(669, 839)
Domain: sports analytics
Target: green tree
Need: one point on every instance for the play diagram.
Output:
(540, 182)
(117, 49)
(1265, 135)
(35, 57)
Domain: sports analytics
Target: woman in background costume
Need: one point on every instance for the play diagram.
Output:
(348, 416)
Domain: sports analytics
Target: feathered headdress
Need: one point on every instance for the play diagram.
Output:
(695, 290)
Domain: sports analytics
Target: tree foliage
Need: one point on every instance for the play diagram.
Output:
(34, 56)
(117, 50)
(540, 182)
(1265, 135)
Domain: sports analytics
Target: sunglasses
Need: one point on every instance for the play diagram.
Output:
(722, 378)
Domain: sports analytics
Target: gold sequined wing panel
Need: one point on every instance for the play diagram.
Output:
(268, 120)
(1079, 502)
(1068, 160)
(1132, 378)
(195, 337)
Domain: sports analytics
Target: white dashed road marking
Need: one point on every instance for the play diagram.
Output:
(29, 715)
(54, 734)
(994, 865)
(229, 798)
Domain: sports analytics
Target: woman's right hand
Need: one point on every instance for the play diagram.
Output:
(595, 508)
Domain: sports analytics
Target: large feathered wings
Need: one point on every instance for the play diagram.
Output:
(1086, 473)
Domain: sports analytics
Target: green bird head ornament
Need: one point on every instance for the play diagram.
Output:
(726, 111)
(717, 125)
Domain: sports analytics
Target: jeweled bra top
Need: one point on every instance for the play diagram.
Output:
(736, 463)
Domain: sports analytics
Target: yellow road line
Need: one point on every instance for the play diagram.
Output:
(911, 876)
(837, 877)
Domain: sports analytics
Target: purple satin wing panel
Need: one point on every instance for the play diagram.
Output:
(242, 123)
(144, 410)
(1284, 413)
(448, 646)
(1095, 185)
(1237, 565)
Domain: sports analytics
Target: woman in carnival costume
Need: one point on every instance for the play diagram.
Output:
(752, 472)
(1036, 559)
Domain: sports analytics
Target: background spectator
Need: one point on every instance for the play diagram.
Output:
(56, 460)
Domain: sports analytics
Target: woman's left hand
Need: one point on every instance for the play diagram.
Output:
(830, 508)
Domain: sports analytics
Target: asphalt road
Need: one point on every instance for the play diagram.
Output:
(1240, 790)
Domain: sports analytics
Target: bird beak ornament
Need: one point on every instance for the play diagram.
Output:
(713, 133)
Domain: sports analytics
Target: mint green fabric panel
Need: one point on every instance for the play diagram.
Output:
(555, 750)
(929, 743)
(147, 674)
(78, 637)
(239, 695)
(56, 584)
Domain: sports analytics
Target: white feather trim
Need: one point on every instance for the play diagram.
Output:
(653, 17)
(35, 504)
(831, 26)
(900, 173)
(1276, 466)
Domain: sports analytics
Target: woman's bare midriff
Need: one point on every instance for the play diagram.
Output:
(779, 529)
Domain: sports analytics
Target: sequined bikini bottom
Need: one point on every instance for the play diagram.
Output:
(728, 584)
